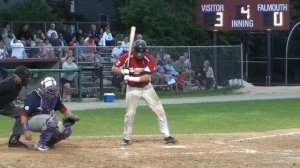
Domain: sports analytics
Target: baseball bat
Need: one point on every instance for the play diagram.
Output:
(131, 39)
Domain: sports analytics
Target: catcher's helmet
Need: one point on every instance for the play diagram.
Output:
(24, 73)
(49, 87)
(140, 48)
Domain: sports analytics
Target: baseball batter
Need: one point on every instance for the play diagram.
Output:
(138, 76)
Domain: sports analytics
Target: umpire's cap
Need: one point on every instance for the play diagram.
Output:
(24, 73)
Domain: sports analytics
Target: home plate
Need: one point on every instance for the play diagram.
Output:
(173, 146)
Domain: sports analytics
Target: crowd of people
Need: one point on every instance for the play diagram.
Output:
(27, 43)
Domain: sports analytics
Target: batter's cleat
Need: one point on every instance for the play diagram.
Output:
(125, 142)
(169, 140)
(17, 144)
(41, 147)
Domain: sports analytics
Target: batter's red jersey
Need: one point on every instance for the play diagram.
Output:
(137, 67)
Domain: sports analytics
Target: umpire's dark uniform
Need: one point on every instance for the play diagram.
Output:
(9, 91)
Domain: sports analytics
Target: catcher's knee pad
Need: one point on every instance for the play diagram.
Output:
(52, 121)
(66, 133)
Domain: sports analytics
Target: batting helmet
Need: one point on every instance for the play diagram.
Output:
(49, 87)
(140, 48)
(24, 73)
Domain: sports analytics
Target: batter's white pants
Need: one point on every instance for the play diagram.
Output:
(133, 95)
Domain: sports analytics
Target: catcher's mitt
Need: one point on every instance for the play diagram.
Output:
(70, 120)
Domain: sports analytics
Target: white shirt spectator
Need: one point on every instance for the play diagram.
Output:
(107, 37)
(101, 42)
(116, 52)
(50, 31)
(18, 49)
(125, 45)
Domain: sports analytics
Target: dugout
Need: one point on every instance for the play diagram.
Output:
(36, 63)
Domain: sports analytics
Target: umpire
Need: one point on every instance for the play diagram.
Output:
(9, 91)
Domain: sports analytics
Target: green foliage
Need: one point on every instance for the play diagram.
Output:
(32, 10)
(163, 22)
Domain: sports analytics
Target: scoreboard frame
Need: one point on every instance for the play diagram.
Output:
(244, 15)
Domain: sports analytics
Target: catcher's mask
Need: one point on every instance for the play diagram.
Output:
(49, 87)
(140, 48)
(24, 73)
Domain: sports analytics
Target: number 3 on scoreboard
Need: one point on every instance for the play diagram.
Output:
(219, 19)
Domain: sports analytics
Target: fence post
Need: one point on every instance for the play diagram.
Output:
(80, 83)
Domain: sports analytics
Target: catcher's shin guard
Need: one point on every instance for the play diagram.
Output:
(56, 137)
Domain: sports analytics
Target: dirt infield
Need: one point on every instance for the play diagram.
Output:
(276, 149)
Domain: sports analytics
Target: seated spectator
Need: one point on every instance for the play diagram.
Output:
(79, 33)
(63, 46)
(116, 52)
(158, 76)
(24, 35)
(38, 36)
(179, 64)
(187, 65)
(170, 68)
(125, 44)
(9, 38)
(200, 80)
(108, 38)
(66, 34)
(46, 49)
(90, 49)
(3, 52)
(182, 81)
(51, 31)
(18, 49)
(160, 55)
(93, 31)
(67, 78)
(80, 49)
(210, 80)
(5, 30)
(101, 47)
(72, 44)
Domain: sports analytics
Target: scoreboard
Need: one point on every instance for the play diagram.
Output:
(251, 15)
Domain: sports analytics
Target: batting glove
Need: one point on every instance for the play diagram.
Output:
(126, 78)
(125, 71)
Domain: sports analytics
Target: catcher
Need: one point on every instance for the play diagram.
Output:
(38, 116)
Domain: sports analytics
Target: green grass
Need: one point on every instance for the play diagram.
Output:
(224, 117)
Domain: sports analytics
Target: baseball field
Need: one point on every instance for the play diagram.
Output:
(253, 133)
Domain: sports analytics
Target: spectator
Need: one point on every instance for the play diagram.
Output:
(182, 81)
(46, 49)
(210, 80)
(18, 49)
(160, 55)
(125, 44)
(158, 76)
(188, 65)
(116, 52)
(172, 74)
(179, 64)
(66, 34)
(94, 31)
(72, 44)
(101, 42)
(3, 52)
(108, 38)
(8, 39)
(70, 54)
(24, 35)
(169, 66)
(51, 31)
(63, 45)
(38, 36)
(5, 31)
(67, 78)
(200, 80)
(79, 34)
(139, 37)
(80, 49)
(90, 49)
